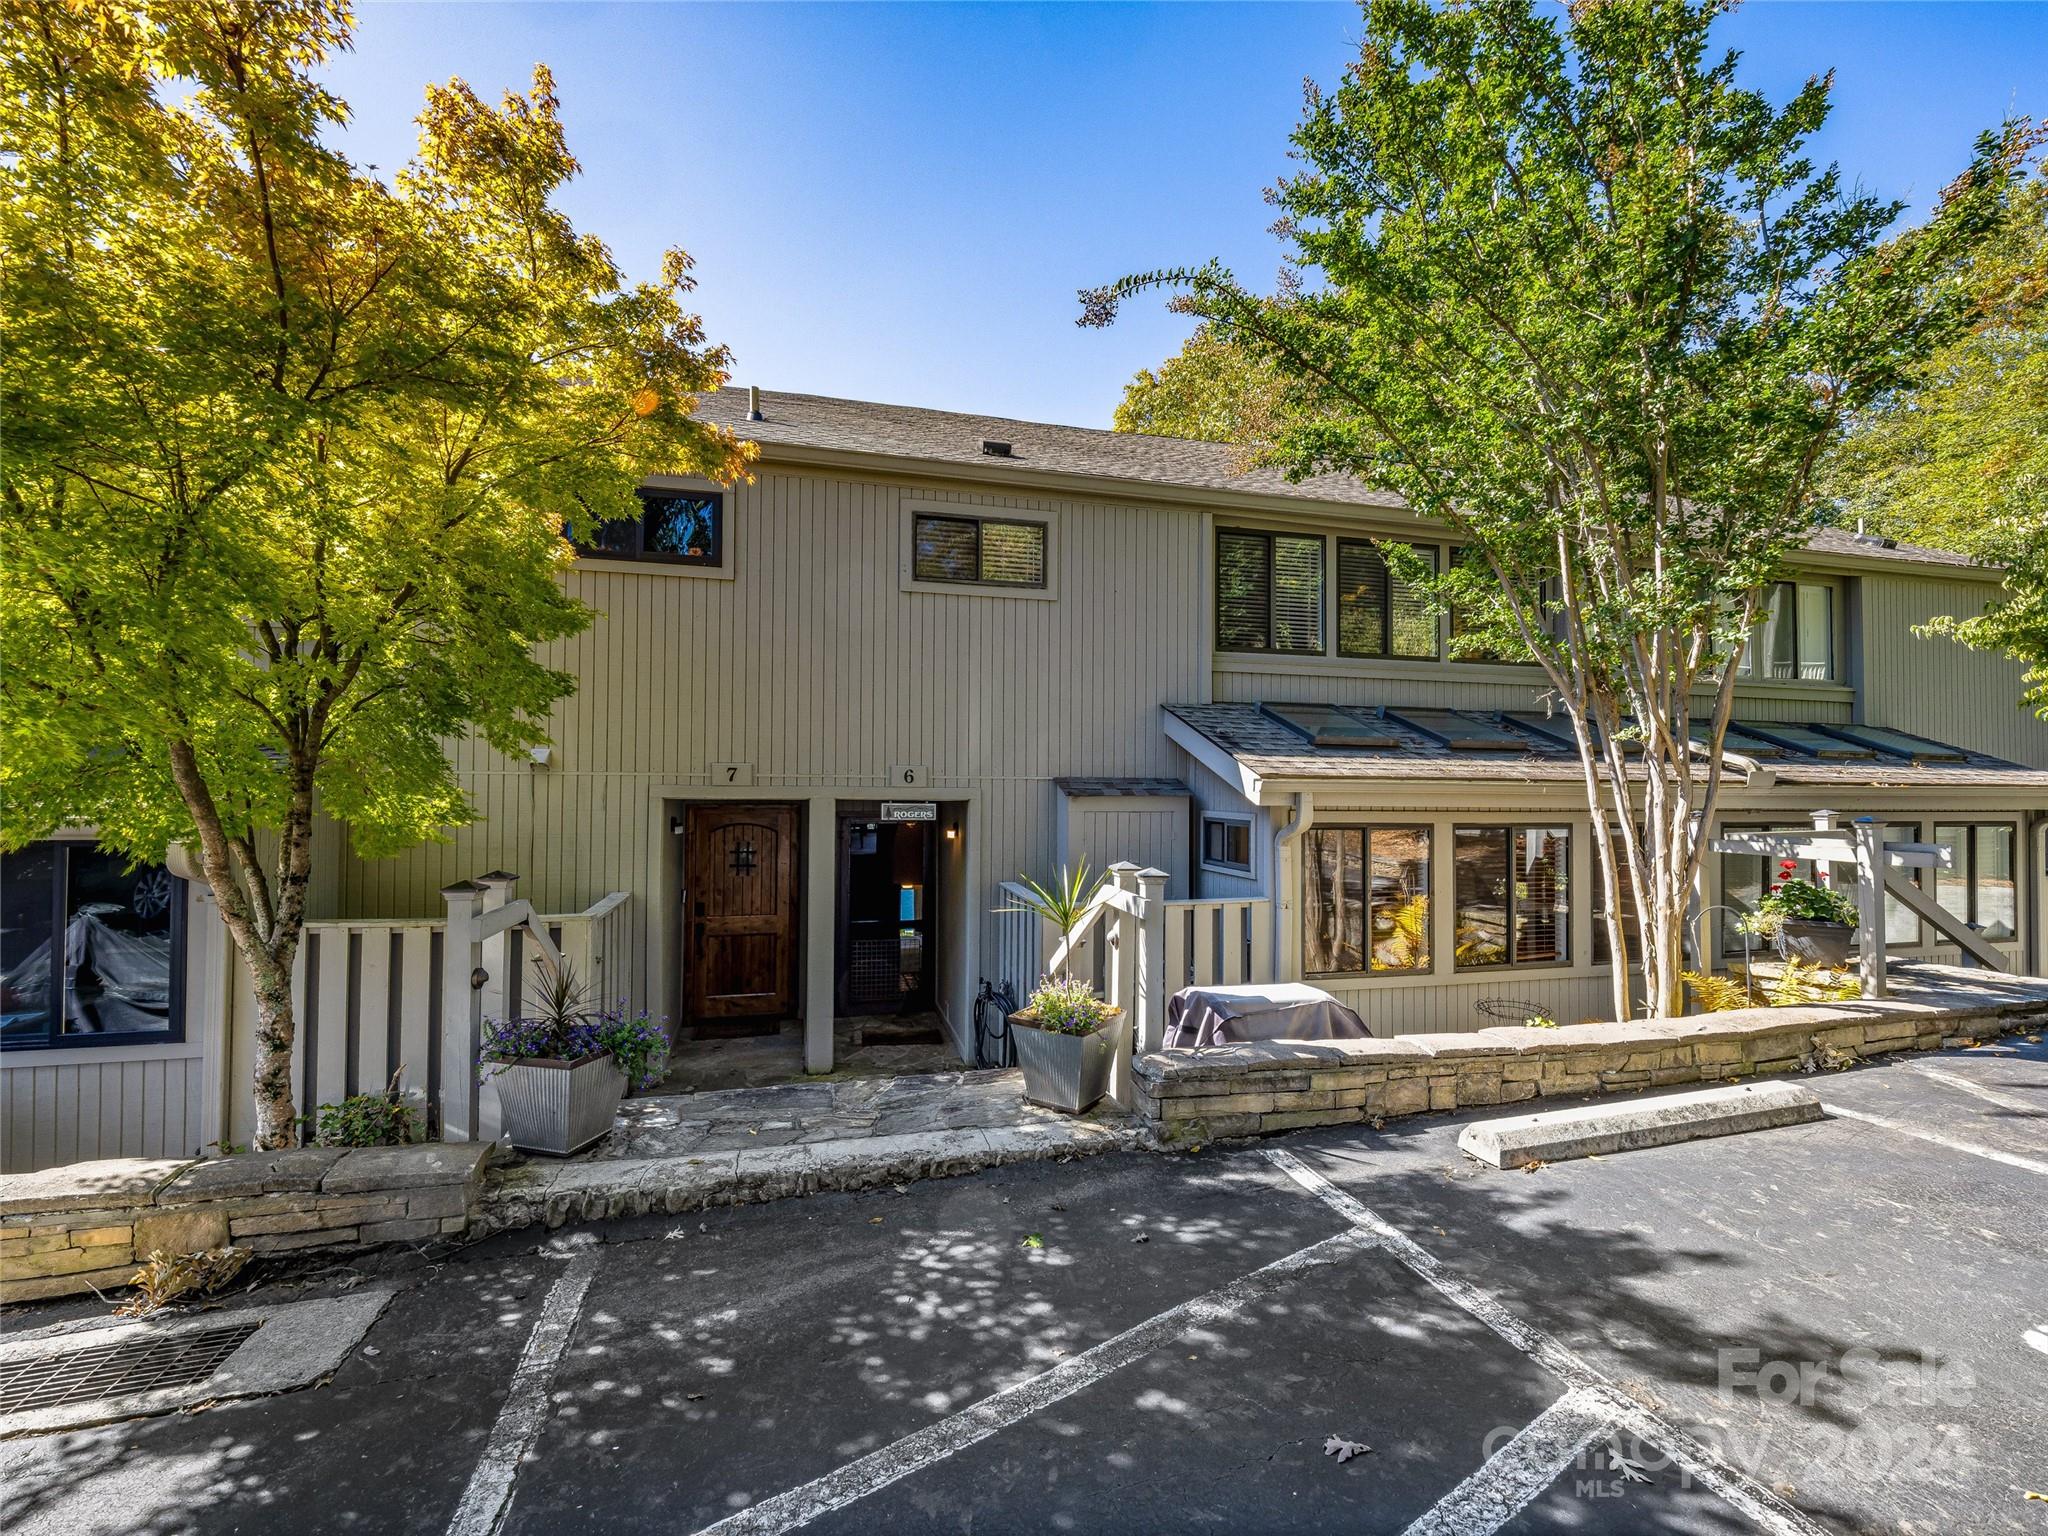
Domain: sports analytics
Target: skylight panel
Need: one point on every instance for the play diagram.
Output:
(1461, 732)
(1740, 742)
(1806, 740)
(1899, 743)
(1325, 725)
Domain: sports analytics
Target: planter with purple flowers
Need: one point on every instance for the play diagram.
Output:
(561, 1070)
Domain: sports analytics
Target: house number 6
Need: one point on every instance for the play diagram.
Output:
(907, 775)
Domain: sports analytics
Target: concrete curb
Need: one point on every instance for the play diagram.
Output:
(552, 1194)
(1595, 1130)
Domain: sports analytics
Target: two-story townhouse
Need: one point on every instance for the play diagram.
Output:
(823, 715)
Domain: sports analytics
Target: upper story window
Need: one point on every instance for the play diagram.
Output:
(91, 952)
(1794, 641)
(1548, 594)
(1378, 614)
(673, 528)
(1269, 592)
(979, 551)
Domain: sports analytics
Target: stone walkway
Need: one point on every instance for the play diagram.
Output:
(686, 1152)
(735, 1119)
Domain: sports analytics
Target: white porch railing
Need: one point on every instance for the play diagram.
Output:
(1152, 948)
(370, 996)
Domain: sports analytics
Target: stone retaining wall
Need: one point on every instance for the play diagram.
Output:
(1187, 1096)
(86, 1226)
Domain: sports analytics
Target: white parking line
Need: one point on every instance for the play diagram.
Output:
(1770, 1513)
(489, 1493)
(935, 1442)
(1519, 1470)
(2011, 1159)
(1988, 1095)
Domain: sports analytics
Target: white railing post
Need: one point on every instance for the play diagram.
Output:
(1870, 871)
(1148, 1023)
(462, 1011)
(501, 988)
(1120, 975)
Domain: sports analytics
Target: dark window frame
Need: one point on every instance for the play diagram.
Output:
(640, 554)
(1267, 537)
(53, 1038)
(1511, 904)
(978, 522)
(1390, 587)
(1227, 820)
(1365, 830)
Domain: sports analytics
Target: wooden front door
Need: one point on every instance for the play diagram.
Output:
(739, 911)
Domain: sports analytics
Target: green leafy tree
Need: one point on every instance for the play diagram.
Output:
(287, 450)
(1214, 390)
(1958, 458)
(1575, 293)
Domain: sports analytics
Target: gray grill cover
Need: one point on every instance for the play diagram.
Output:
(1279, 1010)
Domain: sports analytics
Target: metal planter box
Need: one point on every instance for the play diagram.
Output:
(1065, 1072)
(1826, 944)
(559, 1106)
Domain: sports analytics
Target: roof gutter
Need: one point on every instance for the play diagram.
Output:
(1284, 905)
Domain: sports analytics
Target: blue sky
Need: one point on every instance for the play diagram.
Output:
(897, 202)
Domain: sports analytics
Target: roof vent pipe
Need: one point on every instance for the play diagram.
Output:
(994, 449)
(753, 402)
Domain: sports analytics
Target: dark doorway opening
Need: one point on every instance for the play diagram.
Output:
(884, 952)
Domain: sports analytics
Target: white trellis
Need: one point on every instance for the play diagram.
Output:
(1877, 864)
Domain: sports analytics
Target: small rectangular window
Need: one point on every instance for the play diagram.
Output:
(979, 551)
(1378, 614)
(1366, 900)
(673, 528)
(1513, 893)
(1227, 844)
(1624, 898)
(91, 951)
(1269, 593)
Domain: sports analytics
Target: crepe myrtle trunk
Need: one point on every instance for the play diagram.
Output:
(266, 918)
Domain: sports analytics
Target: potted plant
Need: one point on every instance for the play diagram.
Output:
(561, 1070)
(1067, 1039)
(1806, 920)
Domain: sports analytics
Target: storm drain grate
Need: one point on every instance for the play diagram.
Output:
(47, 1380)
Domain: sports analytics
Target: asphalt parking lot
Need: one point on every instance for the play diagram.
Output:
(1837, 1326)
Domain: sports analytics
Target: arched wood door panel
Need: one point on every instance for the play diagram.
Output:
(739, 911)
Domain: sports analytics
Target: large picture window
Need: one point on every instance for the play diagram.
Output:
(1978, 885)
(1269, 593)
(91, 952)
(673, 528)
(1513, 894)
(979, 551)
(1366, 902)
(1378, 614)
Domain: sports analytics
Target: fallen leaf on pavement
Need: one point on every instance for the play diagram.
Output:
(1034, 1241)
(1341, 1448)
(874, 1221)
(1535, 1164)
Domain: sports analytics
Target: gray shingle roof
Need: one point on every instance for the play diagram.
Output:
(1271, 750)
(955, 438)
(1119, 789)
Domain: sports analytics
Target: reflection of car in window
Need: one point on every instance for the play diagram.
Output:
(117, 932)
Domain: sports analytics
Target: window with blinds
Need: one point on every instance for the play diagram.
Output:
(1378, 614)
(1269, 593)
(979, 551)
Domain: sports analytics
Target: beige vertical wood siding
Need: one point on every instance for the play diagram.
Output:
(814, 666)
(1939, 687)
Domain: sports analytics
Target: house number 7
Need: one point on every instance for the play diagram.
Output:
(732, 773)
(907, 775)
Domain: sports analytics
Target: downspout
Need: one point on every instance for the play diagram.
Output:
(1283, 902)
